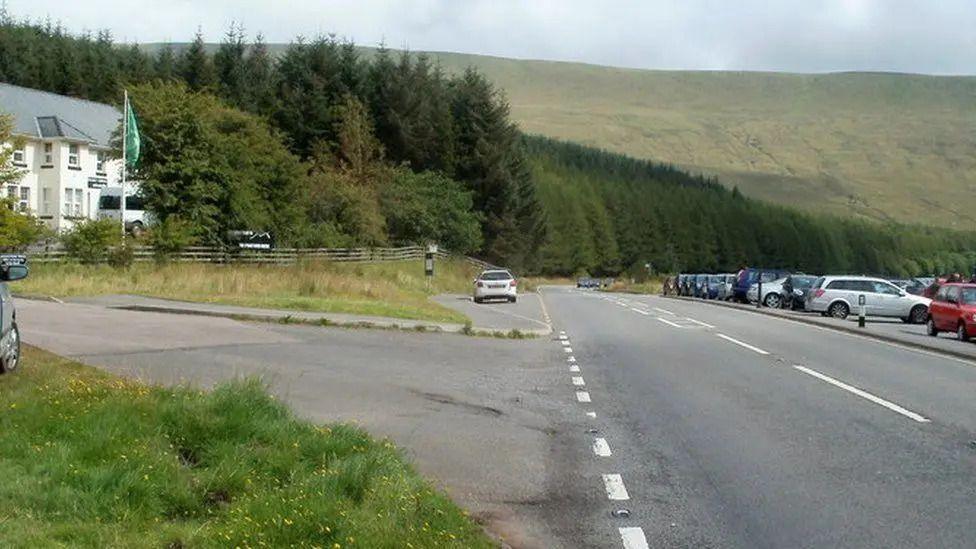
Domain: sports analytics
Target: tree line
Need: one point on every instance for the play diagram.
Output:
(326, 146)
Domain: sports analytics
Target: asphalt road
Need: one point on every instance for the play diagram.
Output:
(731, 429)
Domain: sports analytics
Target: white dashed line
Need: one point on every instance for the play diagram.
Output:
(633, 538)
(636, 310)
(578, 381)
(571, 359)
(565, 343)
(574, 368)
(665, 311)
(591, 414)
(669, 323)
(583, 396)
(742, 344)
(699, 322)
(601, 447)
(568, 349)
(863, 394)
(615, 487)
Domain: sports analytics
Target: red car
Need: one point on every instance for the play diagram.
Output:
(954, 310)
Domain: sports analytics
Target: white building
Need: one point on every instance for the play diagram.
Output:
(64, 155)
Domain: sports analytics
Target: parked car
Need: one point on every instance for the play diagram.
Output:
(12, 267)
(495, 284)
(585, 282)
(933, 288)
(773, 295)
(838, 296)
(954, 310)
(725, 290)
(917, 286)
(745, 278)
(716, 287)
(796, 288)
(686, 284)
(700, 286)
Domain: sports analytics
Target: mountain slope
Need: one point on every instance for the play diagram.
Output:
(873, 145)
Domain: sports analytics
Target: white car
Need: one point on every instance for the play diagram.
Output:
(495, 284)
(772, 293)
(12, 267)
(839, 296)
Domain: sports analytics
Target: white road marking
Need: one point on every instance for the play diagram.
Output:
(574, 368)
(578, 381)
(633, 538)
(563, 336)
(669, 323)
(863, 394)
(615, 487)
(571, 359)
(601, 447)
(636, 310)
(665, 311)
(699, 322)
(568, 349)
(591, 414)
(565, 343)
(583, 396)
(562, 333)
(742, 344)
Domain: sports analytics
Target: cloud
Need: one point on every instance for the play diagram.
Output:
(798, 36)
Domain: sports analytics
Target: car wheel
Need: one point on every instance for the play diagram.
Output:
(477, 300)
(961, 332)
(773, 301)
(839, 310)
(512, 299)
(919, 314)
(12, 360)
(931, 329)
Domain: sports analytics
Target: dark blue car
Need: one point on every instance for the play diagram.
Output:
(749, 276)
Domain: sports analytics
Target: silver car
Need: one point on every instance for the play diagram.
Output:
(839, 296)
(495, 284)
(773, 296)
(12, 267)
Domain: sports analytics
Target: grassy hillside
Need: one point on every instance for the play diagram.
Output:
(874, 145)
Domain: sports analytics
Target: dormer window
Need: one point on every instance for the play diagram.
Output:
(74, 159)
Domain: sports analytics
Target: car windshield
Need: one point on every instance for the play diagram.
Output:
(496, 275)
(967, 296)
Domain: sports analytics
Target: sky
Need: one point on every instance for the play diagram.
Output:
(922, 36)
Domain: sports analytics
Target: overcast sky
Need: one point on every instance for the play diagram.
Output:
(926, 36)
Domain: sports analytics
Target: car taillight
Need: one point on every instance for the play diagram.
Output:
(818, 293)
(513, 284)
(481, 284)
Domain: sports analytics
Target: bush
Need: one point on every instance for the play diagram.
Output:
(170, 237)
(16, 229)
(89, 242)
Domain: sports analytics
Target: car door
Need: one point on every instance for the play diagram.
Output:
(6, 310)
(889, 301)
(938, 308)
(872, 301)
(950, 315)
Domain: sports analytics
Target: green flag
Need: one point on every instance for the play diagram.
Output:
(132, 140)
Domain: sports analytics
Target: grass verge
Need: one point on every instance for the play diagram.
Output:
(394, 289)
(92, 460)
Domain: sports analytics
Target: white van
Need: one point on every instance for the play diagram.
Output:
(136, 217)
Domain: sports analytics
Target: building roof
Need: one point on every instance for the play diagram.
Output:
(45, 115)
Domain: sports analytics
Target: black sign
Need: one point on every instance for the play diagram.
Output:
(250, 240)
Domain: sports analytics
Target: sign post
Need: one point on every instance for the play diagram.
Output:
(860, 310)
(429, 262)
(759, 296)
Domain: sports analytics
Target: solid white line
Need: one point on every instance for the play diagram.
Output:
(601, 447)
(591, 414)
(565, 343)
(615, 487)
(633, 538)
(741, 344)
(583, 396)
(645, 313)
(568, 349)
(571, 359)
(665, 311)
(578, 381)
(669, 323)
(863, 394)
(574, 368)
(699, 322)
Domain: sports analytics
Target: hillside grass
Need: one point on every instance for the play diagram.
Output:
(392, 289)
(92, 460)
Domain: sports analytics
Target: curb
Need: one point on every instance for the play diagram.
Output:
(843, 329)
(39, 297)
(407, 326)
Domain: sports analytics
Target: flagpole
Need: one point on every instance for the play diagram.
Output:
(125, 141)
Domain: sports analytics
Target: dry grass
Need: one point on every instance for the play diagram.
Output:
(395, 289)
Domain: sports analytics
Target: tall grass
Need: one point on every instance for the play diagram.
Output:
(90, 460)
(394, 289)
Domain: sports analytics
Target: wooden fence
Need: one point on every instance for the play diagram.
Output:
(277, 256)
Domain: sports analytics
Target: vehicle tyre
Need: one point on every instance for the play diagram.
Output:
(919, 314)
(839, 310)
(137, 229)
(931, 329)
(773, 301)
(477, 300)
(512, 299)
(10, 362)
(961, 332)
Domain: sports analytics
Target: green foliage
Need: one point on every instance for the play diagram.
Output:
(123, 255)
(90, 241)
(429, 207)
(171, 236)
(17, 229)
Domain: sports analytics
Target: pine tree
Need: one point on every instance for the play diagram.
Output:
(260, 78)
(165, 63)
(196, 67)
(230, 67)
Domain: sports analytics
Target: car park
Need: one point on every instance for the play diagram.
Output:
(716, 287)
(12, 267)
(745, 278)
(495, 284)
(839, 296)
(954, 310)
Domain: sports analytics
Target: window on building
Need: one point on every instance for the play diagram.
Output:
(20, 155)
(48, 154)
(12, 195)
(74, 160)
(79, 202)
(100, 163)
(24, 203)
(69, 197)
(46, 201)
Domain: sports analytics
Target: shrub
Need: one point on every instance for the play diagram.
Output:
(90, 241)
(16, 229)
(170, 237)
